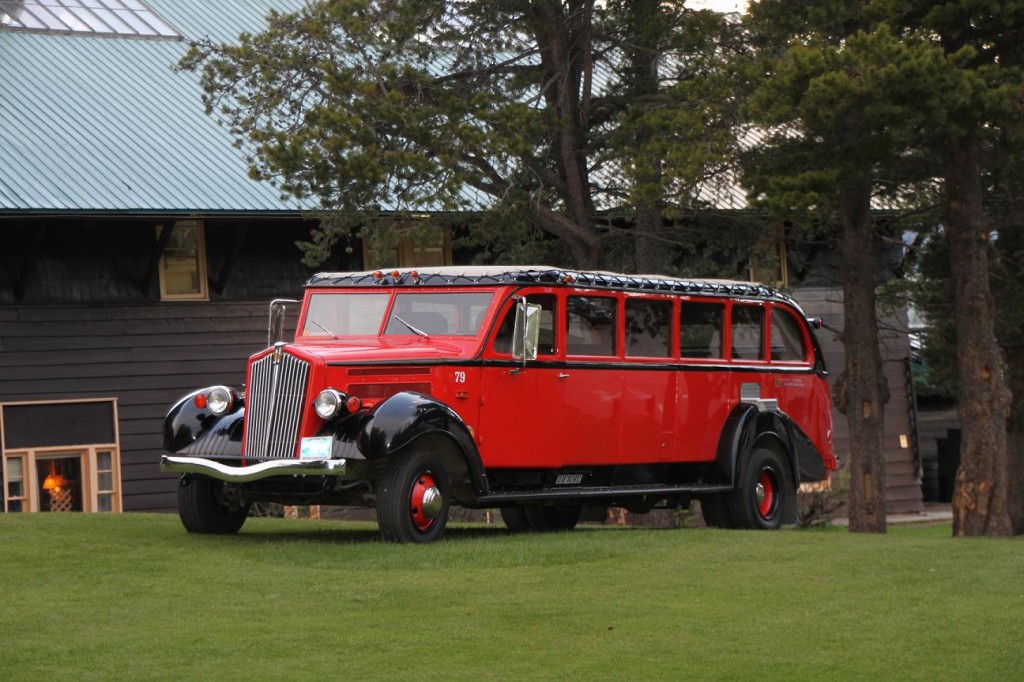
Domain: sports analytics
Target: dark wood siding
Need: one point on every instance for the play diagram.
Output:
(902, 481)
(145, 356)
(86, 325)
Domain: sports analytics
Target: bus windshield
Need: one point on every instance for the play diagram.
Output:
(420, 314)
(438, 314)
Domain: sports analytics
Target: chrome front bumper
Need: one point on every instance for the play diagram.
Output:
(253, 472)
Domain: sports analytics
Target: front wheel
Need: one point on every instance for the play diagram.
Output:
(413, 502)
(207, 506)
(764, 495)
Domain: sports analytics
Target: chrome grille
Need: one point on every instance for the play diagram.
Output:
(273, 406)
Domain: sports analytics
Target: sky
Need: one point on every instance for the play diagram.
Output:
(719, 5)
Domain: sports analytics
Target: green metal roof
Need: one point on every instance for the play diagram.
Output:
(103, 124)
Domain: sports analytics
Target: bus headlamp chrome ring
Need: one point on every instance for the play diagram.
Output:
(220, 400)
(330, 403)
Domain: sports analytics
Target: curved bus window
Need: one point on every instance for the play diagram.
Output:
(590, 325)
(647, 328)
(747, 332)
(546, 344)
(700, 329)
(787, 337)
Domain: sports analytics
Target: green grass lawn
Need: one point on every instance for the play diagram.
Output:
(133, 596)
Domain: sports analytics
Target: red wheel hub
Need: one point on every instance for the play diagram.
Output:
(425, 502)
(765, 494)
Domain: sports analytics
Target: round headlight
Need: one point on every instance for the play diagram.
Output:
(329, 403)
(220, 400)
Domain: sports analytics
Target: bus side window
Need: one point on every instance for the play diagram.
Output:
(700, 333)
(787, 338)
(647, 328)
(546, 344)
(747, 332)
(590, 325)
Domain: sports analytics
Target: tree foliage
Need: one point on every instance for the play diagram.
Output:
(566, 114)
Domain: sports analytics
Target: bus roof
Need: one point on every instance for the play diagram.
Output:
(490, 275)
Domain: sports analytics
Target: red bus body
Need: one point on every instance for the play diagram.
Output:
(644, 391)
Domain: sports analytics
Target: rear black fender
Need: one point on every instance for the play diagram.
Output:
(407, 417)
(191, 430)
(749, 426)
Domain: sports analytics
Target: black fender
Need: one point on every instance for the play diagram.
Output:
(345, 432)
(748, 426)
(191, 430)
(407, 416)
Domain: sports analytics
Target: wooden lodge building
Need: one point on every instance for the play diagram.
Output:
(137, 257)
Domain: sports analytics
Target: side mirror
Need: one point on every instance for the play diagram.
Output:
(526, 335)
(276, 318)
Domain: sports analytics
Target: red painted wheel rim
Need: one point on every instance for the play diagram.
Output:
(766, 494)
(420, 488)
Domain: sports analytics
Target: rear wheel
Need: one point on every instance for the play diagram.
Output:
(561, 517)
(764, 495)
(413, 502)
(715, 509)
(515, 519)
(209, 506)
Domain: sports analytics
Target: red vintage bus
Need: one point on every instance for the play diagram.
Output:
(533, 390)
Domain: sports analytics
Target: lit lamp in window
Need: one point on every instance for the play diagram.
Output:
(56, 486)
(54, 483)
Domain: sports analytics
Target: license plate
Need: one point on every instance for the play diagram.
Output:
(315, 448)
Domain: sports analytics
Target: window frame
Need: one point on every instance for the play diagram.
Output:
(671, 327)
(87, 454)
(203, 293)
(805, 341)
(617, 326)
(763, 345)
(723, 328)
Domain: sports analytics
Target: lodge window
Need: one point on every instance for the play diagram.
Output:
(430, 247)
(183, 263)
(648, 324)
(768, 260)
(700, 329)
(60, 456)
(747, 332)
(590, 325)
(546, 344)
(787, 338)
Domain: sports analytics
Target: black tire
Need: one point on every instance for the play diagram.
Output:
(561, 517)
(515, 519)
(715, 510)
(764, 497)
(413, 502)
(209, 507)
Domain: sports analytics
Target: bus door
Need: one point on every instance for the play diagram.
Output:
(521, 418)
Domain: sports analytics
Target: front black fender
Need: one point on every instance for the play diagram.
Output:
(191, 430)
(405, 417)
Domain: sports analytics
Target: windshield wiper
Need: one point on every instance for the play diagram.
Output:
(329, 332)
(413, 329)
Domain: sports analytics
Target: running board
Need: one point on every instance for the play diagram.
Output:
(596, 493)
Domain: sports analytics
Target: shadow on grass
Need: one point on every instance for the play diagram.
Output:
(349, 532)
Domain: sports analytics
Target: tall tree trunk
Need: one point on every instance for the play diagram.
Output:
(647, 24)
(863, 377)
(980, 495)
(563, 34)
